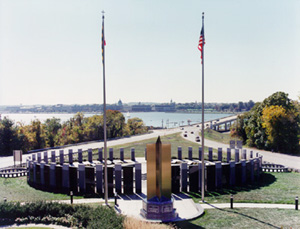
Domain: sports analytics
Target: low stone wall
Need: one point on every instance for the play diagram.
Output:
(125, 177)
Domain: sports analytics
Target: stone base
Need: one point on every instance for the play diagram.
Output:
(155, 209)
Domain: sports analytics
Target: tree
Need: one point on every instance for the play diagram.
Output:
(115, 122)
(136, 126)
(51, 127)
(281, 128)
(8, 137)
(93, 128)
(258, 127)
(34, 135)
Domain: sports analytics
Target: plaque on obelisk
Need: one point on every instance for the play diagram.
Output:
(159, 204)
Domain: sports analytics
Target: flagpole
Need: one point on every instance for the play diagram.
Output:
(104, 115)
(202, 132)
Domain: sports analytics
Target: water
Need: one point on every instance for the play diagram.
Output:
(155, 119)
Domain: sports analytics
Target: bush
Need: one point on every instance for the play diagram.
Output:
(103, 217)
(62, 214)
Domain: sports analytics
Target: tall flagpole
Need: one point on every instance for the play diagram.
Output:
(202, 132)
(104, 114)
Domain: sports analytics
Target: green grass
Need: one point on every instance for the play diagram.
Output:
(245, 218)
(281, 188)
(17, 189)
(218, 137)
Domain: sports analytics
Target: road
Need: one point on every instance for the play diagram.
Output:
(286, 160)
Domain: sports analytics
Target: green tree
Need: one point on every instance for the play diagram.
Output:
(115, 122)
(51, 127)
(8, 137)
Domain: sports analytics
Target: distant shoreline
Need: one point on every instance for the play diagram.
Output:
(93, 112)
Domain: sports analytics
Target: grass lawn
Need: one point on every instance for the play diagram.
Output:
(17, 189)
(218, 137)
(281, 188)
(245, 218)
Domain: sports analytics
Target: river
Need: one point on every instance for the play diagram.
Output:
(155, 119)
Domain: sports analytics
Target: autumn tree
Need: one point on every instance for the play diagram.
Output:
(136, 126)
(259, 127)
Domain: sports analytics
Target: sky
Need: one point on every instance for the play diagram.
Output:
(50, 50)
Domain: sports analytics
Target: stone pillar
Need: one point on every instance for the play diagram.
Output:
(200, 153)
(79, 155)
(100, 154)
(99, 179)
(210, 154)
(65, 178)
(61, 157)
(53, 157)
(251, 169)
(179, 152)
(200, 175)
(111, 154)
(237, 155)
(244, 174)
(232, 173)
(52, 175)
(46, 157)
(228, 155)
(220, 154)
(244, 154)
(70, 156)
(39, 157)
(33, 157)
(145, 154)
(218, 175)
(34, 172)
(257, 155)
(183, 172)
(81, 170)
(118, 178)
(132, 154)
(90, 155)
(251, 154)
(42, 173)
(138, 178)
(122, 154)
(190, 153)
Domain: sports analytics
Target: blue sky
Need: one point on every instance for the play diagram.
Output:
(51, 50)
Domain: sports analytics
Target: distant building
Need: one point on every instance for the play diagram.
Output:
(164, 107)
(141, 108)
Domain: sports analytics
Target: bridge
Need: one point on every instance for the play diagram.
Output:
(224, 124)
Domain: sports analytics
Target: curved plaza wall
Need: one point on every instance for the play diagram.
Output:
(62, 174)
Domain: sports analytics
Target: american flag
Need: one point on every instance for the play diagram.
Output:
(201, 41)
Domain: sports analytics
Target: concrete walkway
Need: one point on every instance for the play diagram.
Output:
(247, 205)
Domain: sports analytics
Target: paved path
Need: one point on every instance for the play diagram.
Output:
(247, 205)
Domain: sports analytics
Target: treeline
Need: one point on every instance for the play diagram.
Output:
(273, 124)
(52, 132)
